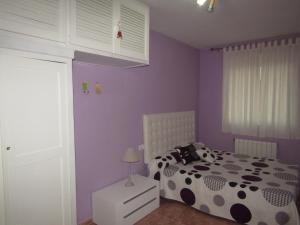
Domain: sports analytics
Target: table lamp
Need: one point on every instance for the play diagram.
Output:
(130, 156)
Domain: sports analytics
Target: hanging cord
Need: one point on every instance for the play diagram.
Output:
(119, 33)
(211, 6)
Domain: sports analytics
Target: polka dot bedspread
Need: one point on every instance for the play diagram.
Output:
(242, 188)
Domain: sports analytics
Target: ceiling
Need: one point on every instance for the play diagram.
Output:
(232, 21)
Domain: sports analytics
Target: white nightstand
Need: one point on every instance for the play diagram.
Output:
(120, 205)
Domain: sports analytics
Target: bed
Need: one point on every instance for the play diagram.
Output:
(242, 188)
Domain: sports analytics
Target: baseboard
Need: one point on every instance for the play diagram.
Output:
(88, 222)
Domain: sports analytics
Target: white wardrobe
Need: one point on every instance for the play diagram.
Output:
(38, 40)
(37, 175)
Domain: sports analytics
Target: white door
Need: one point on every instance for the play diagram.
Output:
(34, 142)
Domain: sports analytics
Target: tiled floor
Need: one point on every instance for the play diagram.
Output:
(174, 213)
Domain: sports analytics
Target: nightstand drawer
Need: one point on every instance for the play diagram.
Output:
(139, 200)
(140, 212)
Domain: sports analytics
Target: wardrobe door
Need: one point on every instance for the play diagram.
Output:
(35, 139)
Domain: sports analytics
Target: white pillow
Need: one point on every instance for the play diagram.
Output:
(206, 154)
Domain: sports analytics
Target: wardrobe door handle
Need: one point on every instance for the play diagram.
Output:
(8, 148)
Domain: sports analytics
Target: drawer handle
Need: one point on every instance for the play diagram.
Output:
(142, 206)
(129, 200)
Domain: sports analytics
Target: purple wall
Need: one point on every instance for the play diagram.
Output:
(178, 79)
(109, 123)
(210, 111)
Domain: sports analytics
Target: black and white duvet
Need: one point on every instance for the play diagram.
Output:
(242, 188)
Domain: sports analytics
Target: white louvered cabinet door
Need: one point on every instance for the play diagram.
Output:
(134, 24)
(92, 24)
(38, 18)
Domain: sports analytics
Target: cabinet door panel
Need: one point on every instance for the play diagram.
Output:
(39, 18)
(92, 24)
(134, 20)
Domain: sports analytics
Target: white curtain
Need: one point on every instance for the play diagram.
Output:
(280, 90)
(240, 92)
(261, 90)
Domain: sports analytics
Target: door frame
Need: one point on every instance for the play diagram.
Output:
(70, 129)
(2, 209)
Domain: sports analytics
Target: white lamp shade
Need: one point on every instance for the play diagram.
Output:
(130, 156)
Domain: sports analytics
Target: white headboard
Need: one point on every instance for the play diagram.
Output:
(164, 131)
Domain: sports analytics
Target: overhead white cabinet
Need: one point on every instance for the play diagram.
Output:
(96, 23)
(89, 27)
(39, 18)
(92, 24)
(36, 132)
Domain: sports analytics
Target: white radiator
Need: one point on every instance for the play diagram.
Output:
(256, 148)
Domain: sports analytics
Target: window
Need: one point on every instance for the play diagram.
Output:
(261, 90)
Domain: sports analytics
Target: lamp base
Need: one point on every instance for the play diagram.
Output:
(129, 182)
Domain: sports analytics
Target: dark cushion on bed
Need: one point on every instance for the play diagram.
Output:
(176, 155)
(189, 147)
(188, 154)
(186, 158)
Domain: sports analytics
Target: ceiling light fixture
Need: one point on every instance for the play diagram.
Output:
(201, 2)
(211, 4)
